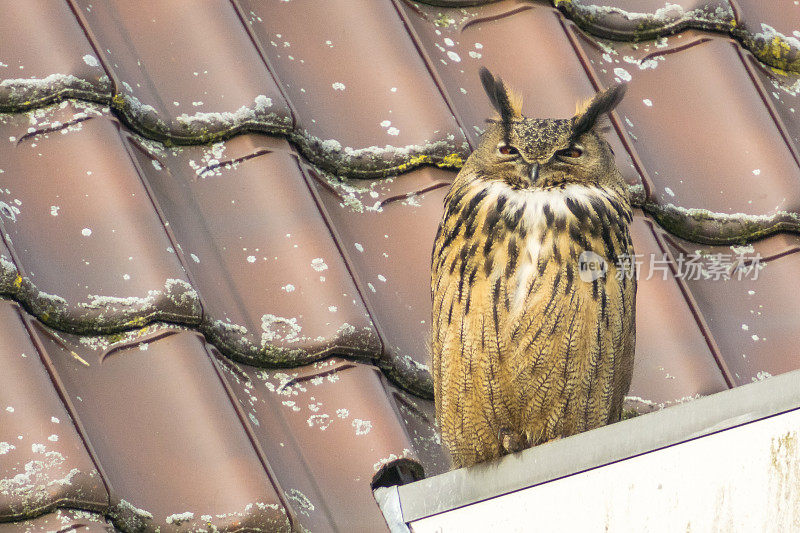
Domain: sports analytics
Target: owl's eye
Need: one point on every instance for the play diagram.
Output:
(572, 152)
(506, 149)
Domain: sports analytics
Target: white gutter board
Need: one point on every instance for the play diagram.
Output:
(746, 478)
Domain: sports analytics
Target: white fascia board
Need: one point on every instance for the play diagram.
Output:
(738, 435)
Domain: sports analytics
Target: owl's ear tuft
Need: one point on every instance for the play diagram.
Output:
(603, 103)
(505, 101)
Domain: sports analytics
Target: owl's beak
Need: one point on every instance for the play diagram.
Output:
(534, 173)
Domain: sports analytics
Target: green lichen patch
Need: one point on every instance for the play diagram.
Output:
(772, 47)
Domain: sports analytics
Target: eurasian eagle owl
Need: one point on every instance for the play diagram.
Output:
(533, 294)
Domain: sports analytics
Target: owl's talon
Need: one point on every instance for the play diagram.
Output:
(510, 441)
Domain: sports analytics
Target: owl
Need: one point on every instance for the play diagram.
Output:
(533, 290)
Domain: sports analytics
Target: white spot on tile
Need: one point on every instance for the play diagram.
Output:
(321, 421)
(53, 437)
(86, 232)
(359, 247)
(177, 518)
(669, 191)
(762, 375)
(647, 102)
(54, 420)
(453, 56)
(332, 308)
(251, 259)
(54, 210)
(755, 337)
(745, 327)
(622, 74)
(448, 41)
(90, 60)
(194, 258)
(362, 426)
(393, 131)
(6, 447)
(386, 123)
(288, 287)
(338, 86)
(10, 409)
(756, 172)
(381, 278)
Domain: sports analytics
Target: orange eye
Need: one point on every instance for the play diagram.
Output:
(570, 153)
(507, 150)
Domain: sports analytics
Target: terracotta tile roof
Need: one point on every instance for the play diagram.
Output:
(217, 222)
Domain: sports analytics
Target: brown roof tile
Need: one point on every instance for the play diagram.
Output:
(161, 425)
(46, 56)
(364, 100)
(43, 461)
(171, 69)
(61, 520)
(386, 232)
(297, 417)
(780, 90)
(92, 252)
(751, 315)
(673, 359)
(266, 245)
(272, 282)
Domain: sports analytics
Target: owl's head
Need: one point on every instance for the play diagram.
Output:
(540, 153)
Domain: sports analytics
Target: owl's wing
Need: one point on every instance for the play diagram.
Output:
(466, 343)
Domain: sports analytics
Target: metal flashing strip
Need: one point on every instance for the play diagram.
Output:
(601, 447)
